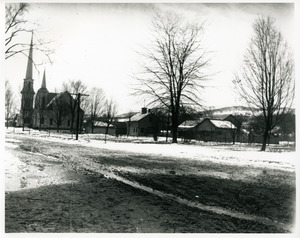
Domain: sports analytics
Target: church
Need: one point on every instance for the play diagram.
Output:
(46, 110)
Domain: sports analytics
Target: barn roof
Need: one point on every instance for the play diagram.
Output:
(189, 124)
(102, 124)
(222, 124)
(139, 116)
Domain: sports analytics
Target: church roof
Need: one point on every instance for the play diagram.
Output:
(50, 97)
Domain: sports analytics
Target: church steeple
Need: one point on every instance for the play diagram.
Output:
(30, 61)
(28, 91)
(44, 80)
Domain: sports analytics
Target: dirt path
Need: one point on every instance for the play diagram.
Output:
(73, 179)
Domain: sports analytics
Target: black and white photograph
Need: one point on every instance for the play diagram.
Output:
(149, 117)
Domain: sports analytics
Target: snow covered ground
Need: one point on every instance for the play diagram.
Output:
(239, 154)
(36, 163)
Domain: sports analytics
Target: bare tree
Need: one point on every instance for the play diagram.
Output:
(74, 87)
(16, 25)
(95, 103)
(267, 78)
(109, 114)
(174, 66)
(59, 107)
(10, 109)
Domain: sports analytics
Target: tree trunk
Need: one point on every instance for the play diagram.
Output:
(174, 133)
(106, 131)
(72, 125)
(265, 139)
(167, 126)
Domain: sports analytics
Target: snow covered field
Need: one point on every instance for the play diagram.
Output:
(237, 180)
(239, 154)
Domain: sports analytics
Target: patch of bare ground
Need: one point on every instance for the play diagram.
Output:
(98, 204)
(273, 202)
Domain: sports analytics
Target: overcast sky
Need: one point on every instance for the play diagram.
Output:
(97, 43)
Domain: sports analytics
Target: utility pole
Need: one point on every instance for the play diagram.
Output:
(78, 110)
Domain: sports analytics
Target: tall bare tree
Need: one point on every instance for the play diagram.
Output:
(267, 78)
(17, 25)
(95, 104)
(174, 69)
(10, 109)
(109, 114)
(74, 87)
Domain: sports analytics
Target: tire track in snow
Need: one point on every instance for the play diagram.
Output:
(89, 165)
(93, 166)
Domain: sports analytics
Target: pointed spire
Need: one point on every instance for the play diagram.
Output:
(44, 80)
(30, 60)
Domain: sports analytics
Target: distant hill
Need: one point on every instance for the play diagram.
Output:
(234, 110)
